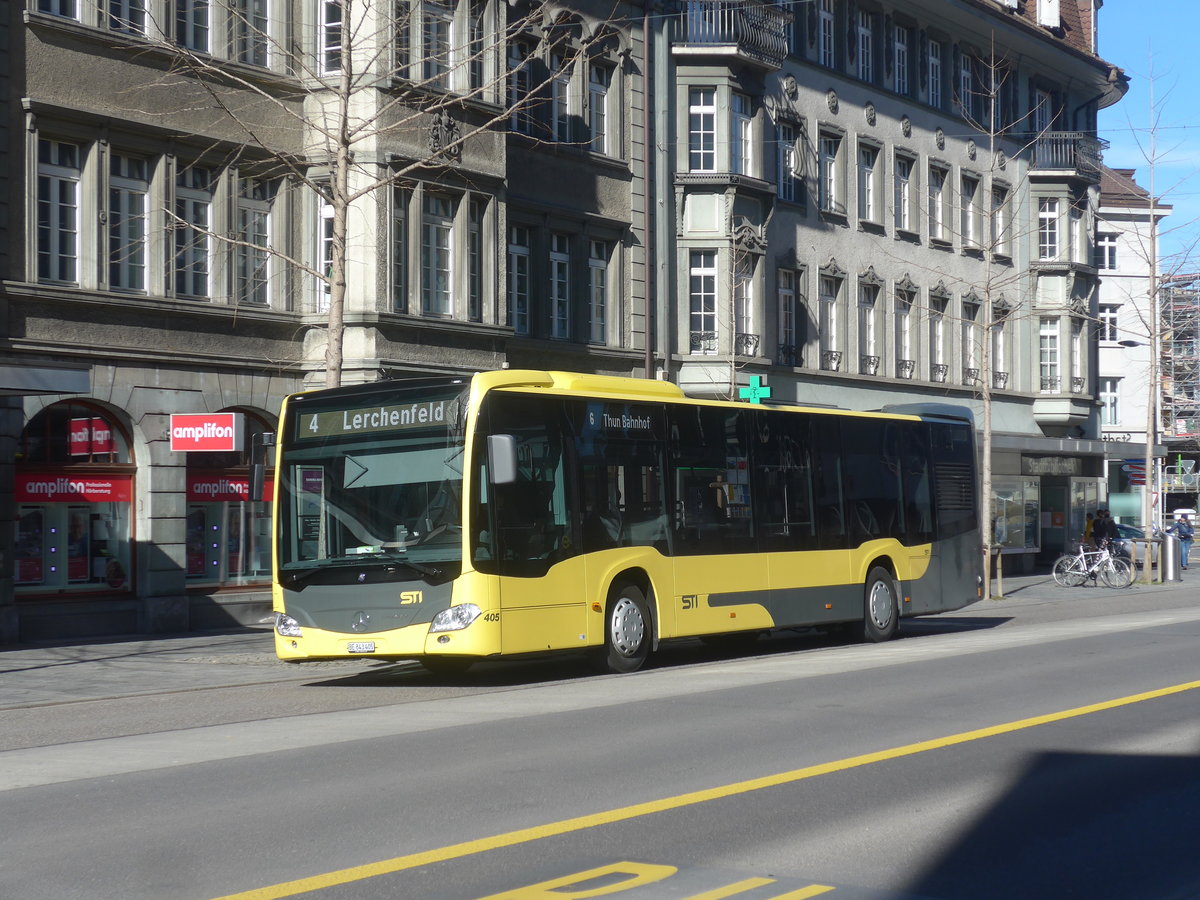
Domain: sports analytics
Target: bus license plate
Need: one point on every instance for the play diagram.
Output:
(360, 647)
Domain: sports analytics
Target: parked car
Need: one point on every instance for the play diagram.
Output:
(1125, 547)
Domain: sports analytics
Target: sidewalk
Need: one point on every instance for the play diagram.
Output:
(35, 675)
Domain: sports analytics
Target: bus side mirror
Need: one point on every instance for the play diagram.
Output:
(502, 458)
(258, 462)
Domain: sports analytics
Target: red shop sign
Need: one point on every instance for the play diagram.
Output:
(91, 435)
(207, 431)
(216, 488)
(52, 487)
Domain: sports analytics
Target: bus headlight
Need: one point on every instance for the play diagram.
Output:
(456, 618)
(286, 626)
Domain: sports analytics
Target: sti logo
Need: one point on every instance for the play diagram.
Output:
(410, 598)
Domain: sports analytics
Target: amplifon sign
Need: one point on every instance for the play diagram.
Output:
(206, 432)
(216, 488)
(90, 435)
(51, 487)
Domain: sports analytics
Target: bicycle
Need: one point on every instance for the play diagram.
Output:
(1073, 570)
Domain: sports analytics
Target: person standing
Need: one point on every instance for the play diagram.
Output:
(1088, 528)
(1183, 530)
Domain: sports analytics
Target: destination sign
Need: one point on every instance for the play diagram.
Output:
(371, 419)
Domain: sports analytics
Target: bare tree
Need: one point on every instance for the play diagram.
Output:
(385, 95)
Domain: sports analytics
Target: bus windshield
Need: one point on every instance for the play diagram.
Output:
(373, 477)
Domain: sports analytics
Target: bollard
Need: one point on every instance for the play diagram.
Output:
(1168, 559)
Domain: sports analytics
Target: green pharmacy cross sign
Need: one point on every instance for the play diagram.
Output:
(757, 392)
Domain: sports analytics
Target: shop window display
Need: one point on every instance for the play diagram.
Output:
(73, 487)
(228, 531)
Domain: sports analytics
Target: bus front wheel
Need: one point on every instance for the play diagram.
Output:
(626, 631)
(881, 615)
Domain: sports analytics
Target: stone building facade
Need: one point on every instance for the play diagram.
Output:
(861, 202)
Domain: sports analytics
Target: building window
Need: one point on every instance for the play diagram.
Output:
(999, 362)
(1110, 399)
(598, 291)
(702, 130)
(1108, 322)
(437, 254)
(475, 267)
(901, 37)
(437, 18)
(128, 202)
(828, 288)
(248, 25)
(192, 228)
(518, 278)
(866, 46)
(741, 141)
(1106, 252)
(252, 257)
(902, 193)
(702, 301)
(968, 97)
(868, 348)
(1048, 355)
(970, 341)
(1001, 222)
(58, 211)
(790, 346)
(599, 84)
(1047, 228)
(329, 37)
(560, 99)
(935, 74)
(560, 287)
(399, 255)
(825, 27)
(1042, 114)
(868, 187)
(520, 87)
(902, 320)
(937, 338)
(969, 199)
(66, 8)
(1077, 357)
(939, 204)
(127, 16)
(191, 24)
(745, 336)
(788, 163)
(325, 253)
(831, 197)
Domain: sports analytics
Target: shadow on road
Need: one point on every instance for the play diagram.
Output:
(1081, 825)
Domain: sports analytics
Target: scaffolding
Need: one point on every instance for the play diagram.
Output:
(1180, 310)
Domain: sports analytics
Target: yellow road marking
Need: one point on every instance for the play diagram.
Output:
(625, 813)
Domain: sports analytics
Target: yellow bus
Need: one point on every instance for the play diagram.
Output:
(449, 520)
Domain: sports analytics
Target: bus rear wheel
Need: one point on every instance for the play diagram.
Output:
(626, 631)
(881, 612)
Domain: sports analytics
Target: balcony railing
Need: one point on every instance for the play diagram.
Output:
(905, 368)
(1067, 150)
(1077, 383)
(868, 365)
(703, 341)
(937, 372)
(748, 27)
(745, 344)
(970, 375)
(831, 360)
(788, 355)
(1050, 384)
(999, 380)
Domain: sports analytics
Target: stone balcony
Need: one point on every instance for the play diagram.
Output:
(747, 29)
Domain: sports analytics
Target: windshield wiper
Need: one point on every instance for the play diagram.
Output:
(390, 561)
(386, 553)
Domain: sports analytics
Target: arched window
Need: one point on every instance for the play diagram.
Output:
(73, 488)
